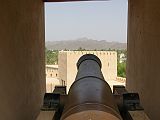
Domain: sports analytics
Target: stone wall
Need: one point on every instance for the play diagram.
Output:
(143, 62)
(52, 71)
(22, 65)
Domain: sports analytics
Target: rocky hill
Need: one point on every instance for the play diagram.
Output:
(84, 43)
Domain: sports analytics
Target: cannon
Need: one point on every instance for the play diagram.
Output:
(90, 96)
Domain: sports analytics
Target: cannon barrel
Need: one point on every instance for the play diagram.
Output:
(90, 97)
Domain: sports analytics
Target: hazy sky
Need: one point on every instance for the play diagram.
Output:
(103, 20)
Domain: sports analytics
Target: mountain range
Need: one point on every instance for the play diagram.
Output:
(84, 43)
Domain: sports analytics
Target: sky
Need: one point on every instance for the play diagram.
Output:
(99, 20)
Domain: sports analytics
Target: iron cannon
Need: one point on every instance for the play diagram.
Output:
(90, 96)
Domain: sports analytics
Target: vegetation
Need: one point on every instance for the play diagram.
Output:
(51, 56)
(121, 65)
(121, 69)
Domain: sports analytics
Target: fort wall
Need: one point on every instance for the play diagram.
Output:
(67, 65)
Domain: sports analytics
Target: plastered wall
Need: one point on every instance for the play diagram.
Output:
(143, 67)
(22, 66)
(51, 72)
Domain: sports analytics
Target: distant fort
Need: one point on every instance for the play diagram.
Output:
(65, 72)
(67, 69)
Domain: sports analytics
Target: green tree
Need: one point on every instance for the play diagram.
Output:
(121, 69)
(81, 49)
(51, 56)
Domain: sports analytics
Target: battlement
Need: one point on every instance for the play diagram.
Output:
(88, 52)
(121, 79)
